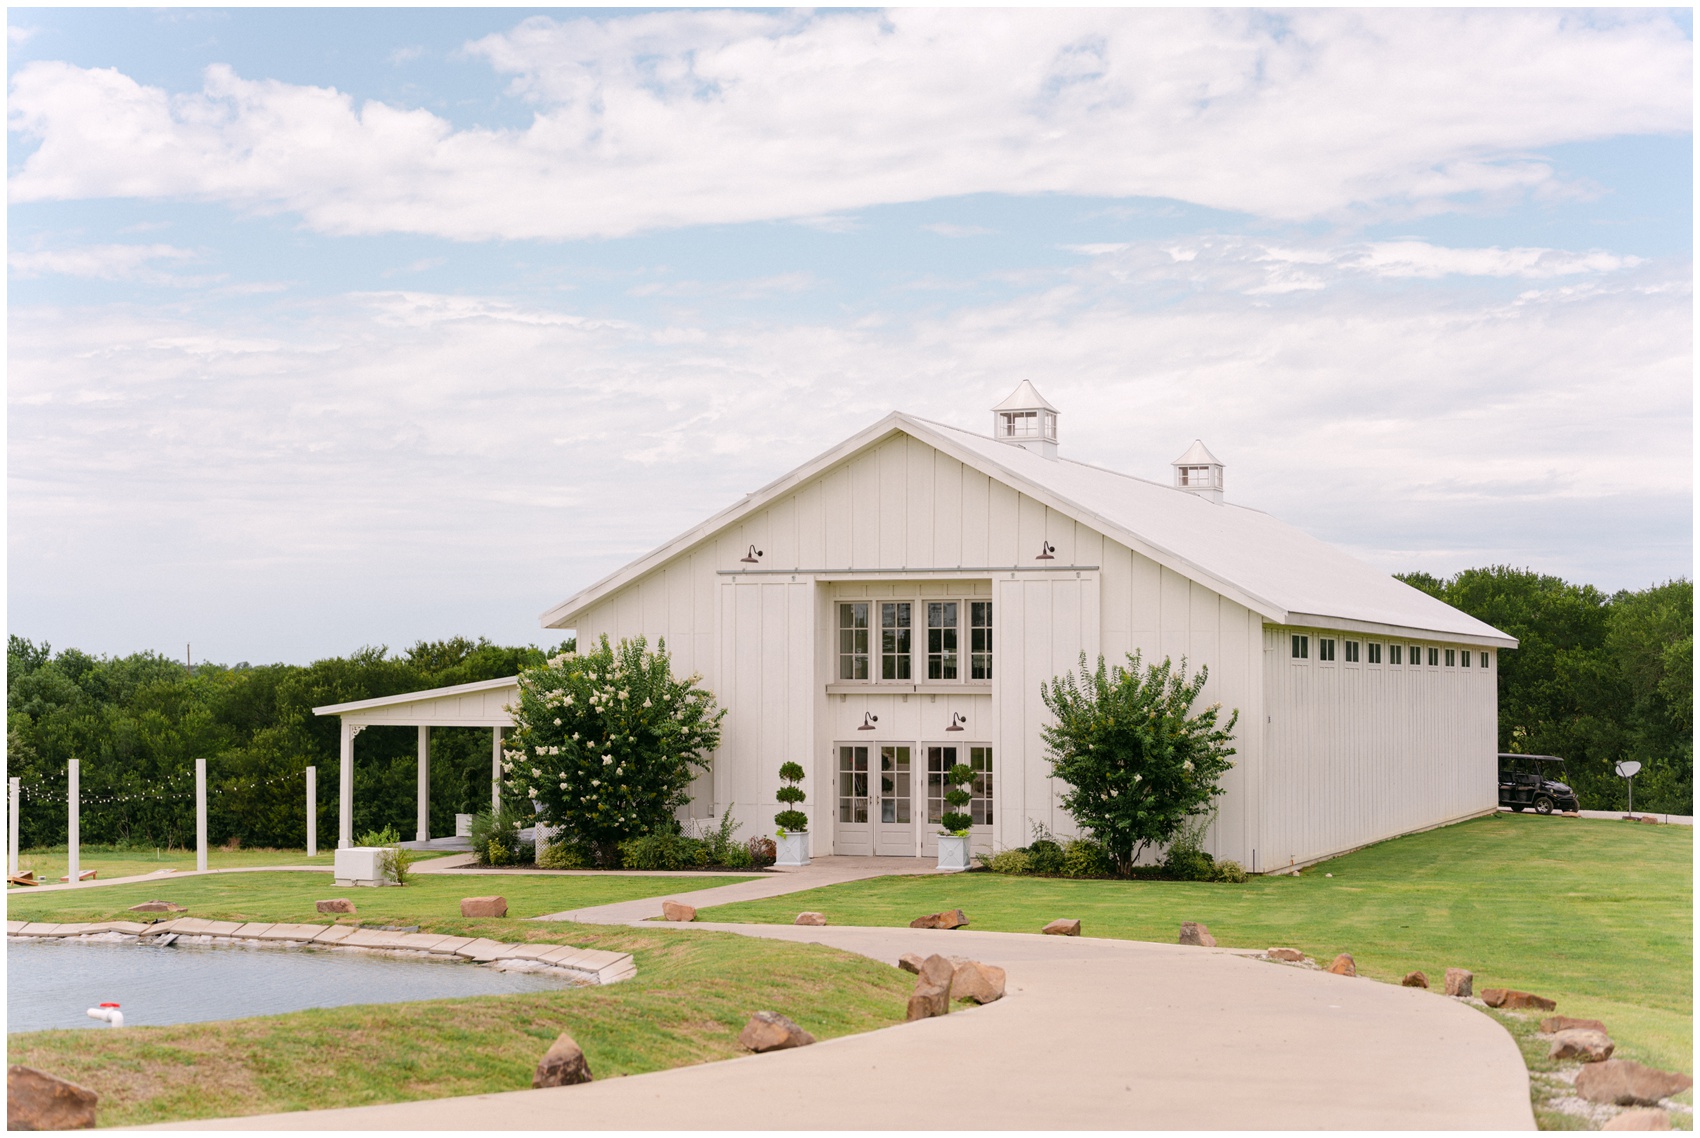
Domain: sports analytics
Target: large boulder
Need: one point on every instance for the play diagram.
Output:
(36, 1100)
(677, 911)
(937, 969)
(981, 983)
(1512, 1000)
(950, 919)
(563, 1065)
(1553, 1024)
(1459, 981)
(928, 1000)
(1640, 1118)
(1197, 932)
(1627, 1083)
(770, 1031)
(335, 905)
(157, 907)
(1062, 926)
(1344, 965)
(1581, 1043)
(910, 962)
(1414, 980)
(483, 906)
(810, 919)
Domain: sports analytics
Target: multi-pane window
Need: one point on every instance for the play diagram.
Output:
(979, 640)
(1029, 424)
(1466, 659)
(941, 640)
(1434, 657)
(894, 784)
(1484, 660)
(852, 784)
(1375, 653)
(939, 761)
(1351, 651)
(896, 631)
(1451, 657)
(1301, 647)
(1416, 654)
(853, 640)
(1324, 648)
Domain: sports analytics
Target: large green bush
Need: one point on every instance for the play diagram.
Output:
(1137, 759)
(605, 744)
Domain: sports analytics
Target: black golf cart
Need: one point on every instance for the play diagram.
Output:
(1536, 782)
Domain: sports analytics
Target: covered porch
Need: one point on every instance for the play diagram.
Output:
(481, 704)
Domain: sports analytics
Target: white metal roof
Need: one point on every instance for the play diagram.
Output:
(1197, 455)
(1025, 398)
(1276, 570)
(479, 703)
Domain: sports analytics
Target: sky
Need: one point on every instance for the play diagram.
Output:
(331, 328)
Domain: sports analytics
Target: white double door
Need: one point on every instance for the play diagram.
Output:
(876, 799)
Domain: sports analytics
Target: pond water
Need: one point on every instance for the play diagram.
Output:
(52, 983)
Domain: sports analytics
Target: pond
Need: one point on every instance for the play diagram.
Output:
(52, 983)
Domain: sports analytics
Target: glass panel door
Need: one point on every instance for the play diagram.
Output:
(894, 834)
(854, 834)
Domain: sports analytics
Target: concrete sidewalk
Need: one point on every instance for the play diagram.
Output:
(1093, 1034)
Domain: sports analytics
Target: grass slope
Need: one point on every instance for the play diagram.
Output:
(1595, 914)
(692, 994)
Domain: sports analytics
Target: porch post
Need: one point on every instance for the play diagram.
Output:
(424, 783)
(345, 798)
(74, 810)
(495, 769)
(312, 811)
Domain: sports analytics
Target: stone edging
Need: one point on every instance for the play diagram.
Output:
(588, 965)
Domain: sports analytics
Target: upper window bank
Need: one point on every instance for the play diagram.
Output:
(956, 643)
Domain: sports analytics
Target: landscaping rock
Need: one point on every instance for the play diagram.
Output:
(929, 1000)
(1511, 999)
(770, 1031)
(1290, 955)
(1564, 1023)
(1459, 981)
(1414, 980)
(810, 919)
(335, 905)
(1627, 1083)
(910, 962)
(981, 983)
(1197, 932)
(1344, 965)
(36, 1100)
(1581, 1043)
(157, 907)
(483, 906)
(675, 911)
(953, 919)
(937, 969)
(1649, 820)
(1640, 1118)
(1062, 927)
(563, 1065)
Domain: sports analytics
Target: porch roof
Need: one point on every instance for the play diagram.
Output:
(483, 703)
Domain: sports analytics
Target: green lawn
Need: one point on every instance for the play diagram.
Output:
(50, 862)
(290, 896)
(1595, 914)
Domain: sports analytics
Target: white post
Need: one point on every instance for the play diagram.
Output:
(12, 813)
(345, 796)
(495, 769)
(424, 783)
(200, 815)
(312, 811)
(73, 791)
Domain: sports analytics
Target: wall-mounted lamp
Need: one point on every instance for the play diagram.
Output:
(956, 721)
(868, 721)
(753, 556)
(1045, 551)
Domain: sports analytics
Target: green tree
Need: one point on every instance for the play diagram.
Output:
(1137, 759)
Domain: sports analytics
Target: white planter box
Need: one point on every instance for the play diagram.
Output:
(463, 825)
(361, 865)
(793, 850)
(953, 852)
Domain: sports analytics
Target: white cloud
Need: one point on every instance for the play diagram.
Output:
(686, 117)
(946, 229)
(102, 262)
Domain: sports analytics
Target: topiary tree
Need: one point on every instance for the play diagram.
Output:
(955, 820)
(605, 744)
(1137, 759)
(792, 796)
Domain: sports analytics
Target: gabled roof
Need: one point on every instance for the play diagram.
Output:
(1277, 571)
(1025, 398)
(407, 697)
(1197, 455)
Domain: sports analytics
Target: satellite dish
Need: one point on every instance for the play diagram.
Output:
(1628, 768)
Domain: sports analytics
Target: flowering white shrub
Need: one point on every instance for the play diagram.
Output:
(606, 744)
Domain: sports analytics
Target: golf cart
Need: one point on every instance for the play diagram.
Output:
(1535, 782)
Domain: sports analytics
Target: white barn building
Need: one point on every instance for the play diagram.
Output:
(890, 608)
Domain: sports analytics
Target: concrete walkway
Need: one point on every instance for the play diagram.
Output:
(1093, 1034)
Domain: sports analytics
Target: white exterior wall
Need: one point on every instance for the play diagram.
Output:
(1359, 752)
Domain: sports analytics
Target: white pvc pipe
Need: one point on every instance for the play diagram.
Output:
(312, 811)
(73, 794)
(107, 1014)
(200, 815)
(12, 817)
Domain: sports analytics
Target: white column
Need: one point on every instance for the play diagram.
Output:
(495, 769)
(73, 792)
(424, 783)
(14, 793)
(345, 796)
(200, 815)
(312, 811)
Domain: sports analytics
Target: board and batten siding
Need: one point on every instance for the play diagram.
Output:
(1360, 752)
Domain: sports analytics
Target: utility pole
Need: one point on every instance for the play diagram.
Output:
(188, 660)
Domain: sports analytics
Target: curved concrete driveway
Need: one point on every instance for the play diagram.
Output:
(1093, 1034)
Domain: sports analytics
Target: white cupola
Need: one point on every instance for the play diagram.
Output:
(1027, 421)
(1199, 472)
